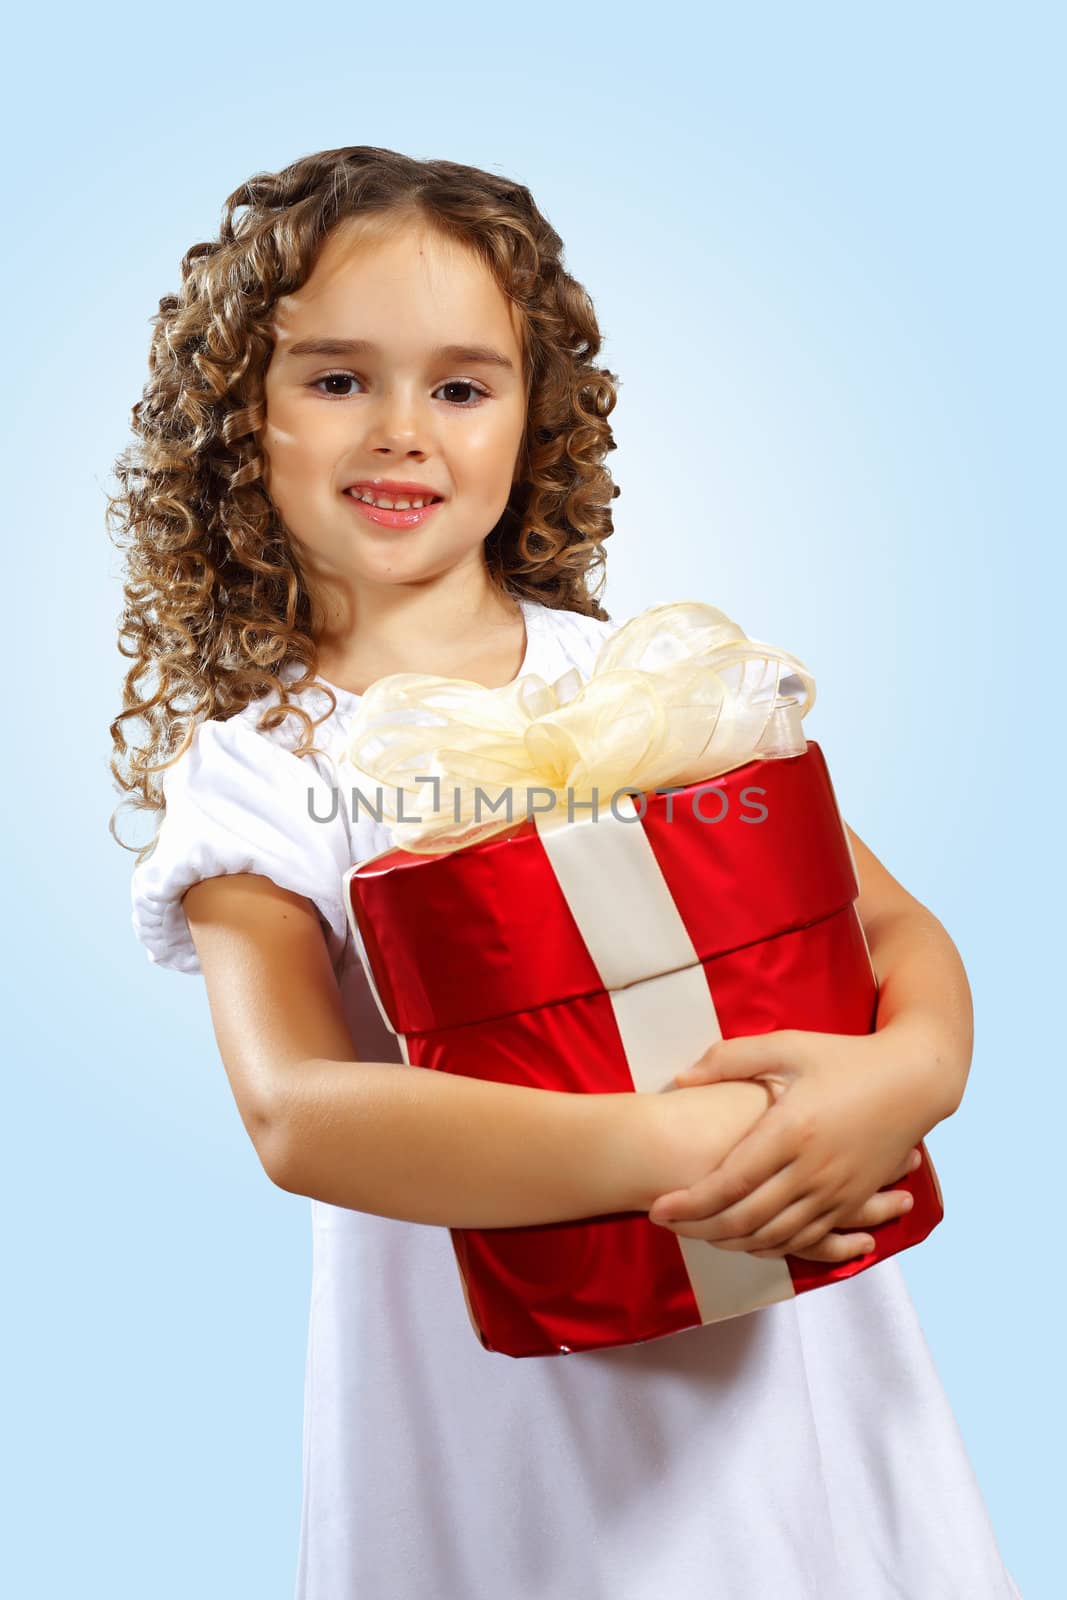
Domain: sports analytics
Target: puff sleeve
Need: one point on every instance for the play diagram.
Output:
(236, 801)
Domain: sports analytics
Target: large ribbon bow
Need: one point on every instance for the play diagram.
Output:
(676, 695)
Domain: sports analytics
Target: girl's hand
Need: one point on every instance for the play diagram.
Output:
(882, 1206)
(848, 1113)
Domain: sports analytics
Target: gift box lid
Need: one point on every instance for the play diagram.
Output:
(753, 853)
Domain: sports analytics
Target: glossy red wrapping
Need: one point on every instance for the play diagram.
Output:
(480, 968)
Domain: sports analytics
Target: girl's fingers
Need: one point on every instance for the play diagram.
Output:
(806, 1240)
(740, 1226)
(767, 1220)
(837, 1247)
(881, 1207)
(832, 1248)
(912, 1160)
(785, 1224)
(813, 1242)
(807, 1243)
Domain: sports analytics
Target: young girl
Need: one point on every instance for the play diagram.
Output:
(372, 441)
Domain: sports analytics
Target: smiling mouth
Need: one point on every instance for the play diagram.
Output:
(393, 513)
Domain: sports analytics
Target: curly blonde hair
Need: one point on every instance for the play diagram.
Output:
(213, 599)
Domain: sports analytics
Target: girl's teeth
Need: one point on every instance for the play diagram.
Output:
(392, 505)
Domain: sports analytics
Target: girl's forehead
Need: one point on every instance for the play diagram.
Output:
(412, 283)
(412, 258)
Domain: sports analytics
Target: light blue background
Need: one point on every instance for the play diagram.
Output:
(823, 245)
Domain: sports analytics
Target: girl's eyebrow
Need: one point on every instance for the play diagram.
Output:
(465, 354)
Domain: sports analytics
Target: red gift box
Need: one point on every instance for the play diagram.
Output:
(603, 955)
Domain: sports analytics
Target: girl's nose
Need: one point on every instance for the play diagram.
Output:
(398, 420)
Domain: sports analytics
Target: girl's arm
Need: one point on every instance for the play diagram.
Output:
(417, 1145)
(925, 1009)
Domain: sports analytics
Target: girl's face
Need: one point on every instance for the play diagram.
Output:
(405, 395)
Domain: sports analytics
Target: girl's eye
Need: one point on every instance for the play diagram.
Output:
(464, 383)
(454, 383)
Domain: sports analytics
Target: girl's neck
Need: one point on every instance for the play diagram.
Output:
(488, 649)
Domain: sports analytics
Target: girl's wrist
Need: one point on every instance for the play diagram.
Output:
(683, 1133)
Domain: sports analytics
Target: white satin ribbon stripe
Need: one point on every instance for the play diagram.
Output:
(665, 1022)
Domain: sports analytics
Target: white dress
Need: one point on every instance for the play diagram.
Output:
(806, 1451)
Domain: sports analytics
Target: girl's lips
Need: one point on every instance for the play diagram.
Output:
(392, 519)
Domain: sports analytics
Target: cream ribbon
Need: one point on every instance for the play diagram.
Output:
(676, 695)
